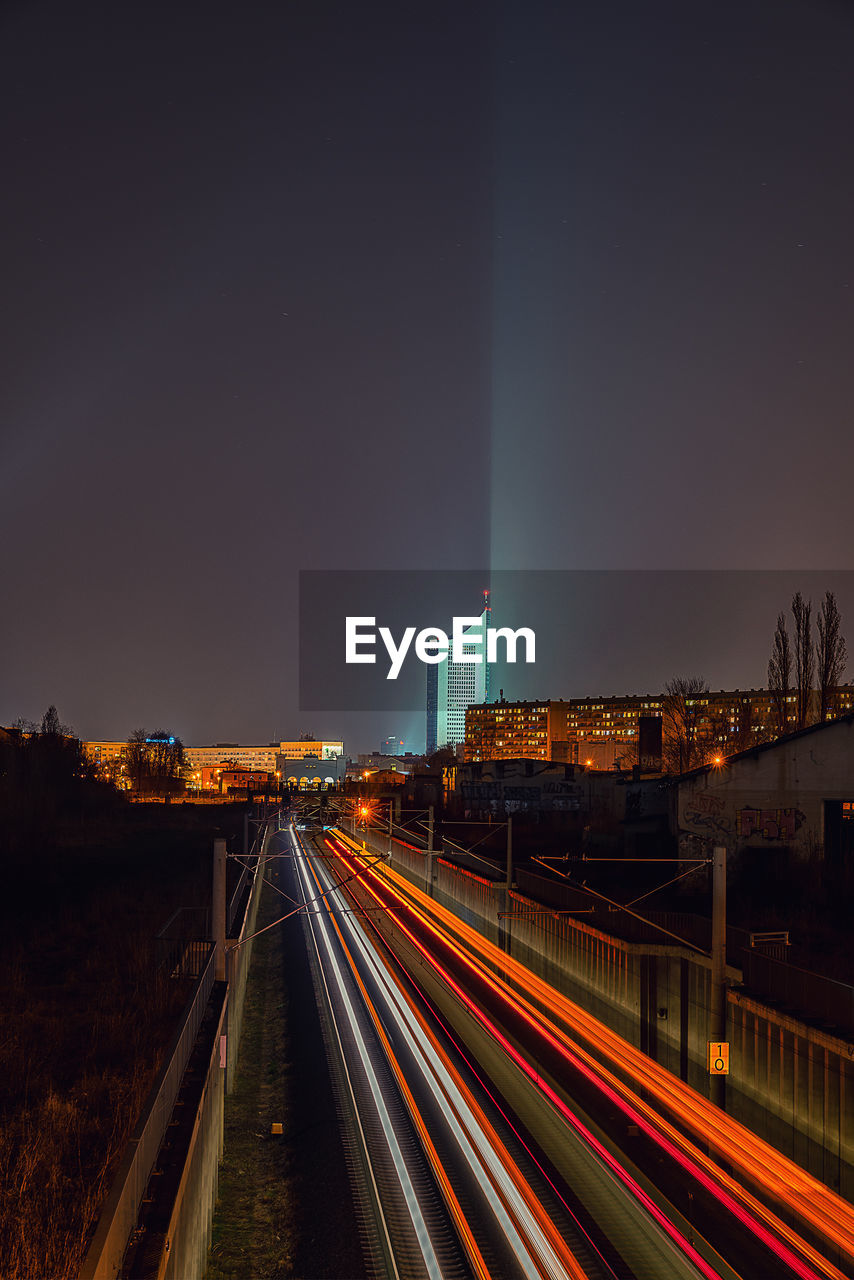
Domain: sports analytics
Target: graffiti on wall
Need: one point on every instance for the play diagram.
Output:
(770, 824)
(550, 795)
(705, 812)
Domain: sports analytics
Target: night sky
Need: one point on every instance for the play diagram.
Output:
(312, 285)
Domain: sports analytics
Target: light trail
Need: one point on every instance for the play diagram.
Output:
(755, 1158)
(537, 1245)
(329, 961)
(593, 1144)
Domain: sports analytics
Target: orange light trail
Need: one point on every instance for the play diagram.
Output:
(454, 1207)
(814, 1202)
(544, 1246)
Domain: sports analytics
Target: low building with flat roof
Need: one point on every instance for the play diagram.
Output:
(311, 770)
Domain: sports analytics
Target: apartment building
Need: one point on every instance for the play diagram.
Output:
(600, 729)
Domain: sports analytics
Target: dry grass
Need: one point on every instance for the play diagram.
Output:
(86, 1020)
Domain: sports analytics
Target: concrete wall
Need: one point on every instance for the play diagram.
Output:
(773, 795)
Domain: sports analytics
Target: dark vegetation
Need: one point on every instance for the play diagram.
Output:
(87, 882)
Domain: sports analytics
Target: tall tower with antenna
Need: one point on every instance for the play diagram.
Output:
(453, 686)
(487, 622)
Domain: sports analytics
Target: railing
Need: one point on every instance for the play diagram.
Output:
(775, 944)
(799, 991)
(766, 959)
(181, 946)
(119, 1215)
(695, 930)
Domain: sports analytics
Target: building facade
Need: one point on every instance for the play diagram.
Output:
(311, 770)
(206, 764)
(452, 687)
(326, 749)
(516, 730)
(232, 753)
(603, 732)
(259, 757)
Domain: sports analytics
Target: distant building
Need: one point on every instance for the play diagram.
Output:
(391, 747)
(603, 732)
(259, 757)
(206, 764)
(101, 753)
(454, 686)
(231, 753)
(246, 780)
(311, 770)
(327, 749)
(515, 730)
(378, 760)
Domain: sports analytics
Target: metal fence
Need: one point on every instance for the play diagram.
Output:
(119, 1215)
(181, 946)
(658, 928)
(799, 991)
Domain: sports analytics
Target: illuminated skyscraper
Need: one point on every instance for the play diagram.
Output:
(453, 686)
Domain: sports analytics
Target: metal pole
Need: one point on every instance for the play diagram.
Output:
(246, 833)
(508, 885)
(430, 851)
(509, 856)
(718, 1001)
(219, 908)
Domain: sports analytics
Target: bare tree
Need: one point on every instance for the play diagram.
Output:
(166, 760)
(52, 726)
(137, 759)
(685, 711)
(154, 760)
(780, 673)
(804, 657)
(830, 652)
